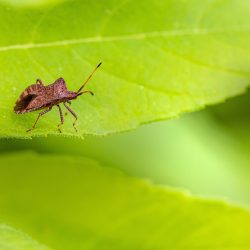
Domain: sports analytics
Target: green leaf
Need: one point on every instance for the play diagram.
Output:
(12, 239)
(191, 153)
(209, 146)
(30, 3)
(160, 59)
(74, 203)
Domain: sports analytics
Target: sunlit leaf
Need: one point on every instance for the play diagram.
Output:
(30, 3)
(160, 59)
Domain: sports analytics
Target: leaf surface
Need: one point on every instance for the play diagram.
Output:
(74, 203)
(12, 239)
(160, 59)
(191, 153)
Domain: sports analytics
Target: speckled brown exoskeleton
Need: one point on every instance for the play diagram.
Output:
(40, 97)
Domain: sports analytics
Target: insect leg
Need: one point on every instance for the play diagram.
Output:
(62, 120)
(73, 113)
(39, 81)
(69, 102)
(40, 114)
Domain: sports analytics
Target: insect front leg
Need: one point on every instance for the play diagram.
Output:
(69, 102)
(73, 113)
(40, 114)
(62, 119)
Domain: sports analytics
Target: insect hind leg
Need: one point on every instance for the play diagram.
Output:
(40, 114)
(73, 113)
(61, 117)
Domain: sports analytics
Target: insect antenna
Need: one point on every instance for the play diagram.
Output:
(89, 78)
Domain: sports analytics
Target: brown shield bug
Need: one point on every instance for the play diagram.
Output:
(40, 97)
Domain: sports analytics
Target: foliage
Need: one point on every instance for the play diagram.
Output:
(12, 239)
(160, 59)
(74, 203)
(192, 54)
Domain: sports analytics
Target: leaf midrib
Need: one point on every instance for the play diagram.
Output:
(137, 36)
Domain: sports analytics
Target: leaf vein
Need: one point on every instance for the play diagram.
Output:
(137, 36)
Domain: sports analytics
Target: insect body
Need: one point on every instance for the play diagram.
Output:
(40, 97)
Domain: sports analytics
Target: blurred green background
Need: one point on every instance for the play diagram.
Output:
(206, 152)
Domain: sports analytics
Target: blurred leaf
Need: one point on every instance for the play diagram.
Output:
(73, 203)
(160, 58)
(235, 112)
(191, 153)
(11, 239)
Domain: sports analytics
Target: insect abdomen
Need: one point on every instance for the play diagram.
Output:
(29, 94)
